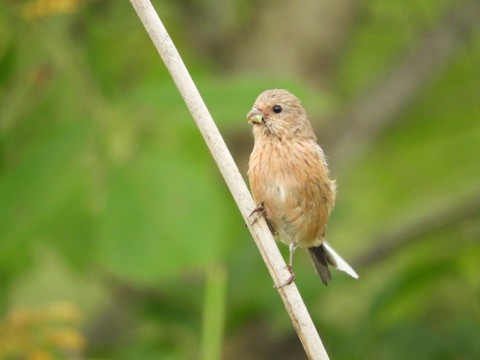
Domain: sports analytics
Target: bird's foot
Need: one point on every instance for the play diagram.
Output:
(289, 280)
(259, 210)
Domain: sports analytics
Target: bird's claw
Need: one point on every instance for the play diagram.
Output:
(289, 280)
(260, 210)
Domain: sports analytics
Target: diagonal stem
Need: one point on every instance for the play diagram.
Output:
(293, 302)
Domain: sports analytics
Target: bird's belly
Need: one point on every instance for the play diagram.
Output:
(294, 217)
(294, 187)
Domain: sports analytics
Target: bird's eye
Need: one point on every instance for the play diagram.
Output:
(277, 109)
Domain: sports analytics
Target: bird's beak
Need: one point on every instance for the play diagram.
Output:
(255, 116)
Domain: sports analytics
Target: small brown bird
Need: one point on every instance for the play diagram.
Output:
(289, 179)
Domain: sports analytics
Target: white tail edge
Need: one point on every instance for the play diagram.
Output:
(338, 261)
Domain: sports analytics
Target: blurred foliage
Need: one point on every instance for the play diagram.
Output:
(111, 203)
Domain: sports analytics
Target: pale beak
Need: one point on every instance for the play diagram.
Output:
(255, 116)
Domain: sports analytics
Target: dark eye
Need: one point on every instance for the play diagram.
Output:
(277, 109)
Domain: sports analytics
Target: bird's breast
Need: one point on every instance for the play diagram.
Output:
(292, 181)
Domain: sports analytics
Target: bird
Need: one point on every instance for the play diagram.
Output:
(290, 181)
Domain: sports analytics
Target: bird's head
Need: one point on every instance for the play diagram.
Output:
(279, 113)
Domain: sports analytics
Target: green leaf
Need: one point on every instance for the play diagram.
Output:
(163, 214)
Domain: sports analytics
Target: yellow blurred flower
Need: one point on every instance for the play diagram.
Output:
(43, 8)
(39, 355)
(67, 339)
(40, 334)
(64, 312)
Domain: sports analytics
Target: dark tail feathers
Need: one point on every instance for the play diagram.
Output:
(321, 261)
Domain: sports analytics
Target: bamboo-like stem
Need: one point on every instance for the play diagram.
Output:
(292, 300)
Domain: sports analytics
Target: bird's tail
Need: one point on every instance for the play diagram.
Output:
(324, 255)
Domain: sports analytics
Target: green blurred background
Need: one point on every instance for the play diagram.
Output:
(119, 238)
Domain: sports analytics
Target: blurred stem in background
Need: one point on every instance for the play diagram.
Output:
(214, 311)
